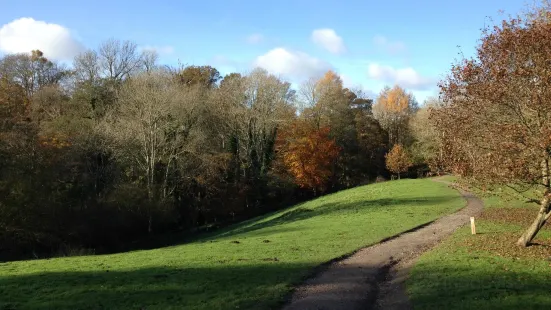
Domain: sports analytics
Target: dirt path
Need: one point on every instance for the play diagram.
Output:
(374, 277)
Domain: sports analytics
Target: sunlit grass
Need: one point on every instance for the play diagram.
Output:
(487, 270)
(252, 265)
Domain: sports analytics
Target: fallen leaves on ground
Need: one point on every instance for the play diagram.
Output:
(504, 245)
(518, 216)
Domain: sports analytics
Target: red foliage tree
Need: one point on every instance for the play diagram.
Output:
(496, 117)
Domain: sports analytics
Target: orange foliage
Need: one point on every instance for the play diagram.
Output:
(330, 78)
(56, 141)
(307, 153)
(13, 103)
(398, 160)
(395, 100)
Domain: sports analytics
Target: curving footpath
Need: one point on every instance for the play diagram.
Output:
(374, 277)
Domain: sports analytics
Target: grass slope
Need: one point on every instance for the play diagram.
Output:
(248, 266)
(487, 270)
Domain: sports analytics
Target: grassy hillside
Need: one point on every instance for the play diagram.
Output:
(248, 266)
(487, 270)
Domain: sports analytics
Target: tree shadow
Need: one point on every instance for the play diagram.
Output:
(303, 212)
(480, 288)
(254, 284)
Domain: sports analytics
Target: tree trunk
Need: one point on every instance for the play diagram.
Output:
(543, 215)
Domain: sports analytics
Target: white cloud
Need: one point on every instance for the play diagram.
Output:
(291, 64)
(405, 77)
(26, 34)
(255, 38)
(161, 50)
(347, 81)
(389, 46)
(354, 85)
(329, 40)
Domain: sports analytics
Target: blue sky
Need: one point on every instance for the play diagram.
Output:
(370, 43)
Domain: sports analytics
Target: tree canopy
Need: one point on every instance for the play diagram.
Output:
(118, 144)
(495, 117)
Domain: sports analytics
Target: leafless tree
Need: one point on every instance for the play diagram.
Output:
(118, 59)
(149, 60)
(154, 128)
(86, 66)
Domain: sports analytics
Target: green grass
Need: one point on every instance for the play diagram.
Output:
(448, 178)
(253, 265)
(487, 270)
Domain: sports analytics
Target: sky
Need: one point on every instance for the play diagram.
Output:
(369, 43)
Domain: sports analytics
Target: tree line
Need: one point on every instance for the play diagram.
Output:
(116, 147)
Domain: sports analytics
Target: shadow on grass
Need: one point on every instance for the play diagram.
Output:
(219, 287)
(480, 289)
(303, 212)
(252, 286)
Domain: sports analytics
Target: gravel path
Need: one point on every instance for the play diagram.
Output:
(374, 277)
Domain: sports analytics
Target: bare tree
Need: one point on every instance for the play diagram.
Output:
(256, 105)
(153, 128)
(118, 59)
(32, 71)
(308, 95)
(149, 60)
(86, 66)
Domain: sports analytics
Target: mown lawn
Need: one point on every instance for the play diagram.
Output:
(253, 265)
(487, 270)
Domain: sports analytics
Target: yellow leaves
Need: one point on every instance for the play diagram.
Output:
(394, 100)
(330, 78)
(397, 160)
(56, 141)
(330, 82)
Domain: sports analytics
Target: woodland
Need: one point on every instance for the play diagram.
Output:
(116, 147)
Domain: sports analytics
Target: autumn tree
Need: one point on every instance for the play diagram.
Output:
(308, 154)
(372, 142)
(325, 99)
(358, 100)
(398, 160)
(199, 75)
(348, 113)
(427, 147)
(393, 109)
(13, 102)
(496, 114)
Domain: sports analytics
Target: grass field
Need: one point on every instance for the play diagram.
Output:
(252, 265)
(487, 270)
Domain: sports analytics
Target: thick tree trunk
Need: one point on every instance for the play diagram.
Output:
(543, 215)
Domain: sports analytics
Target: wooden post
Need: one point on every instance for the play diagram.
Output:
(473, 227)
